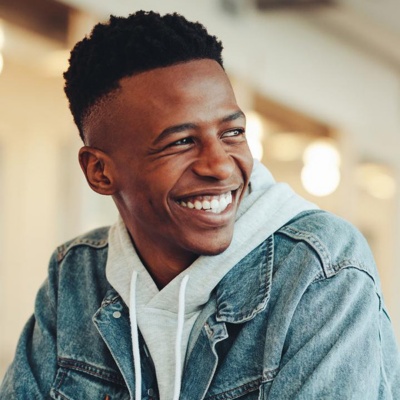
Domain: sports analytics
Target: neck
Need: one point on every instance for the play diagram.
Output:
(162, 267)
(163, 272)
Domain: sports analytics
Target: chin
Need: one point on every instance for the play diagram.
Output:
(214, 248)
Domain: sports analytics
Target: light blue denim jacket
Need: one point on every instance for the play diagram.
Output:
(300, 317)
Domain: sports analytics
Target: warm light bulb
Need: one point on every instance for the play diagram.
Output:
(320, 175)
(321, 152)
(320, 180)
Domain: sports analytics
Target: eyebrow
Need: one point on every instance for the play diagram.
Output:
(187, 126)
(234, 116)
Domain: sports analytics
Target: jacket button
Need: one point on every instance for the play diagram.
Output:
(116, 314)
(150, 392)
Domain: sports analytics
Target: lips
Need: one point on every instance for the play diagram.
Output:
(210, 203)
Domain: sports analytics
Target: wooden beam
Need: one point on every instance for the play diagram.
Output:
(46, 17)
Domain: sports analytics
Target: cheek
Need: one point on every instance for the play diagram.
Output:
(245, 161)
(150, 193)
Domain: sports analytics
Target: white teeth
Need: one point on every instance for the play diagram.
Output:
(215, 204)
(223, 203)
(206, 205)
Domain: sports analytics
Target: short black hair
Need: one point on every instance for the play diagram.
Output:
(124, 46)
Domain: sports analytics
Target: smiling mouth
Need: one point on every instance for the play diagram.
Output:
(208, 203)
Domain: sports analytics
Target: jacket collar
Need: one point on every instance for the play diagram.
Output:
(245, 289)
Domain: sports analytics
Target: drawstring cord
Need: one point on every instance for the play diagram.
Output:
(178, 342)
(135, 337)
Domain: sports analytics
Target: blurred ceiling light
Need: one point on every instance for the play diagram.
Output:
(320, 181)
(377, 180)
(56, 63)
(286, 146)
(320, 175)
(255, 134)
(322, 151)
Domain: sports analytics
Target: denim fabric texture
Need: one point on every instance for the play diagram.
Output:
(300, 317)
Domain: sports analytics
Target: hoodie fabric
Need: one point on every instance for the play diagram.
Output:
(165, 318)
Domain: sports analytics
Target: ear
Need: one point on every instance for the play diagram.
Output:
(96, 165)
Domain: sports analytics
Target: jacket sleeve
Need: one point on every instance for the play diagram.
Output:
(32, 372)
(340, 344)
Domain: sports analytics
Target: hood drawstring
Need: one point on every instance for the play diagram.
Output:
(135, 337)
(178, 342)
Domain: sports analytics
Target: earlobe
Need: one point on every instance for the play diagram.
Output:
(96, 165)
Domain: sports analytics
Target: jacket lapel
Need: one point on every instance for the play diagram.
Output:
(112, 322)
(240, 296)
(202, 360)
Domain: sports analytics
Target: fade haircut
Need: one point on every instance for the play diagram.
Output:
(125, 46)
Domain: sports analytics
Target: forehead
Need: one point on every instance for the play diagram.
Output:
(192, 80)
(177, 74)
(194, 91)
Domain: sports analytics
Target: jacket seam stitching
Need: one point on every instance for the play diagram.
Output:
(269, 375)
(264, 290)
(350, 265)
(346, 264)
(315, 243)
(333, 268)
(97, 244)
(90, 370)
(56, 389)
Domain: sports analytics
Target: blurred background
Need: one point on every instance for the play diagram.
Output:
(319, 81)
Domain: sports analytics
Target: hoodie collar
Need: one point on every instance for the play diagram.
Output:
(239, 296)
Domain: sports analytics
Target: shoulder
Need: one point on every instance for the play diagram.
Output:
(78, 266)
(94, 239)
(335, 242)
(82, 258)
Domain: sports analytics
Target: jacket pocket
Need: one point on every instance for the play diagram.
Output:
(71, 384)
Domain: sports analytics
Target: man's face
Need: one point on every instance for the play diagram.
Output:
(180, 160)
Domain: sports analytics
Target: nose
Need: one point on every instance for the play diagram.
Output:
(214, 161)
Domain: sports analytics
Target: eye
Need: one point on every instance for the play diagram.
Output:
(233, 133)
(182, 142)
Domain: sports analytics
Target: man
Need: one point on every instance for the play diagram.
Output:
(216, 282)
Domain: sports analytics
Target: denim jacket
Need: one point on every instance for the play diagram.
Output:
(300, 317)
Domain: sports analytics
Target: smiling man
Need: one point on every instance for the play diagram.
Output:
(178, 163)
(215, 282)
